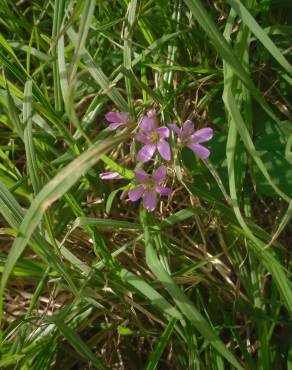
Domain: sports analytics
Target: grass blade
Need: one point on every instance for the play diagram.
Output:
(224, 49)
(185, 306)
(28, 138)
(260, 34)
(76, 342)
(160, 346)
(100, 77)
(88, 10)
(50, 193)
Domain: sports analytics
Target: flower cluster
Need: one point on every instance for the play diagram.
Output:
(153, 138)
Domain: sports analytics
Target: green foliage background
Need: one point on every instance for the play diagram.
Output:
(89, 280)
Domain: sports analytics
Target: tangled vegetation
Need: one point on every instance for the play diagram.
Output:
(145, 184)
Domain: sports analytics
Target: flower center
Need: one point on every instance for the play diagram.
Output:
(149, 184)
(154, 137)
(184, 139)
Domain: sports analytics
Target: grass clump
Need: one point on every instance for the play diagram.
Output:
(93, 277)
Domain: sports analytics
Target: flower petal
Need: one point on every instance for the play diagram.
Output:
(150, 200)
(112, 117)
(117, 117)
(151, 113)
(141, 175)
(202, 135)
(162, 190)
(142, 138)
(123, 117)
(199, 150)
(110, 176)
(175, 128)
(188, 128)
(163, 132)
(164, 149)
(147, 124)
(146, 153)
(136, 193)
(115, 125)
(159, 174)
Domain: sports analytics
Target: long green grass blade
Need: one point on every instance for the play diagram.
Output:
(206, 22)
(50, 193)
(185, 306)
(160, 346)
(260, 34)
(88, 10)
(28, 138)
(77, 343)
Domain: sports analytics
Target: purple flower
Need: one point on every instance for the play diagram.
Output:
(117, 119)
(110, 176)
(148, 187)
(153, 138)
(189, 137)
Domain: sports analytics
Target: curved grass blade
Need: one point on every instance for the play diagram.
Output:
(270, 263)
(14, 215)
(284, 222)
(225, 51)
(179, 216)
(260, 34)
(245, 136)
(99, 76)
(52, 191)
(77, 343)
(151, 294)
(184, 304)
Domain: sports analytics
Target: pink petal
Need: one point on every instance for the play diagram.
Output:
(147, 124)
(159, 174)
(163, 190)
(123, 117)
(150, 200)
(136, 193)
(146, 153)
(163, 132)
(199, 150)
(142, 138)
(175, 128)
(112, 117)
(188, 128)
(164, 150)
(110, 176)
(151, 113)
(202, 135)
(117, 117)
(115, 125)
(141, 175)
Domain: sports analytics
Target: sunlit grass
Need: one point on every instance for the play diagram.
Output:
(91, 279)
